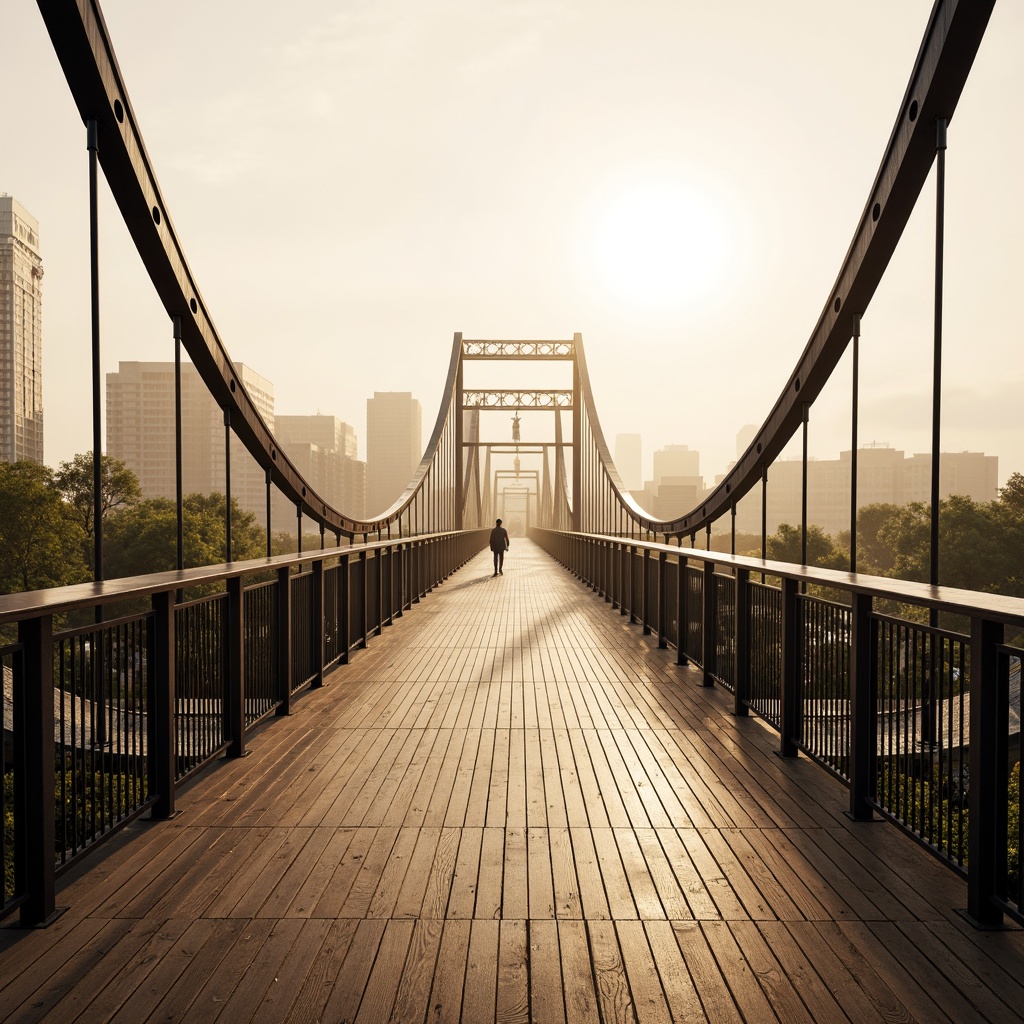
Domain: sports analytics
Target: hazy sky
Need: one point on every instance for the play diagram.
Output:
(355, 180)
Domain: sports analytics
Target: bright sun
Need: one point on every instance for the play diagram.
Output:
(659, 247)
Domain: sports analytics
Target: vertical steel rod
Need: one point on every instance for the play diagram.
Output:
(855, 401)
(803, 492)
(269, 550)
(227, 483)
(940, 202)
(92, 133)
(178, 485)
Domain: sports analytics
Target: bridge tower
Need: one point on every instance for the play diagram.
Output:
(517, 473)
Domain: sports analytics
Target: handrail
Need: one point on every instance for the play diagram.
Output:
(118, 713)
(914, 719)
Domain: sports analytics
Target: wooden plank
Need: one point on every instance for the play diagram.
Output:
(541, 883)
(291, 974)
(742, 981)
(491, 873)
(547, 1005)
(512, 996)
(412, 1000)
(380, 994)
(677, 985)
(614, 1000)
(515, 891)
(786, 1000)
(706, 971)
(261, 974)
(397, 865)
(449, 974)
(89, 956)
(311, 999)
(649, 1001)
(588, 873)
(462, 900)
(479, 999)
(579, 994)
(642, 889)
(352, 974)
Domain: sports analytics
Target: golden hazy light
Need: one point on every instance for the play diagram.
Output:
(660, 246)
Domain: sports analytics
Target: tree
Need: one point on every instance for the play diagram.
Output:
(119, 488)
(40, 542)
(874, 555)
(785, 545)
(142, 538)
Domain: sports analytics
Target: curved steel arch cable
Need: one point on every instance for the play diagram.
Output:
(951, 40)
(82, 44)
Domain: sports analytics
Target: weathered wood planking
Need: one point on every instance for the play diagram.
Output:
(512, 807)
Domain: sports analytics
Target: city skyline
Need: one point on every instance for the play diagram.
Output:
(401, 246)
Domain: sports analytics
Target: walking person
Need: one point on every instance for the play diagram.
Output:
(499, 545)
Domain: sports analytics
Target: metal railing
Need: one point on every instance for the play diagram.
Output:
(920, 723)
(107, 719)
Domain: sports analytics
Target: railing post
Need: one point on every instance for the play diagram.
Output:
(682, 613)
(363, 601)
(988, 728)
(790, 682)
(625, 582)
(615, 573)
(741, 649)
(344, 608)
(317, 611)
(234, 696)
(399, 576)
(35, 831)
(645, 603)
(662, 585)
(863, 709)
(161, 736)
(283, 639)
(631, 556)
(709, 639)
(380, 590)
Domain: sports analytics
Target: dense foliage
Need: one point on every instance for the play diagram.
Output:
(46, 526)
(981, 543)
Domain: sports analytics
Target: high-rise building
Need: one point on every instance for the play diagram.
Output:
(323, 449)
(394, 447)
(21, 335)
(884, 476)
(140, 432)
(629, 460)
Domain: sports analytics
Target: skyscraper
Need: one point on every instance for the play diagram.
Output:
(323, 449)
(394, 447)
(21, 337)
(629, 460)
(140, 432)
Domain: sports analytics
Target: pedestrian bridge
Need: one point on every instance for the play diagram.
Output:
(512, 806)
(369, 781)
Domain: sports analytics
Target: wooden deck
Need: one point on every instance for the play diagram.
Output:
(512, 807)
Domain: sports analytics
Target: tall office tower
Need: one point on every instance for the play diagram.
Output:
(745, 438)
(629, 460)
(21, 335)
(394, 447)
(140, 432)
(323, 449)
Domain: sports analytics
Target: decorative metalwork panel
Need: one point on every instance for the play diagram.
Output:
(517, 350)
(517, 399)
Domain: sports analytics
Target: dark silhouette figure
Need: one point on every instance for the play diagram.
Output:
(499, 545)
